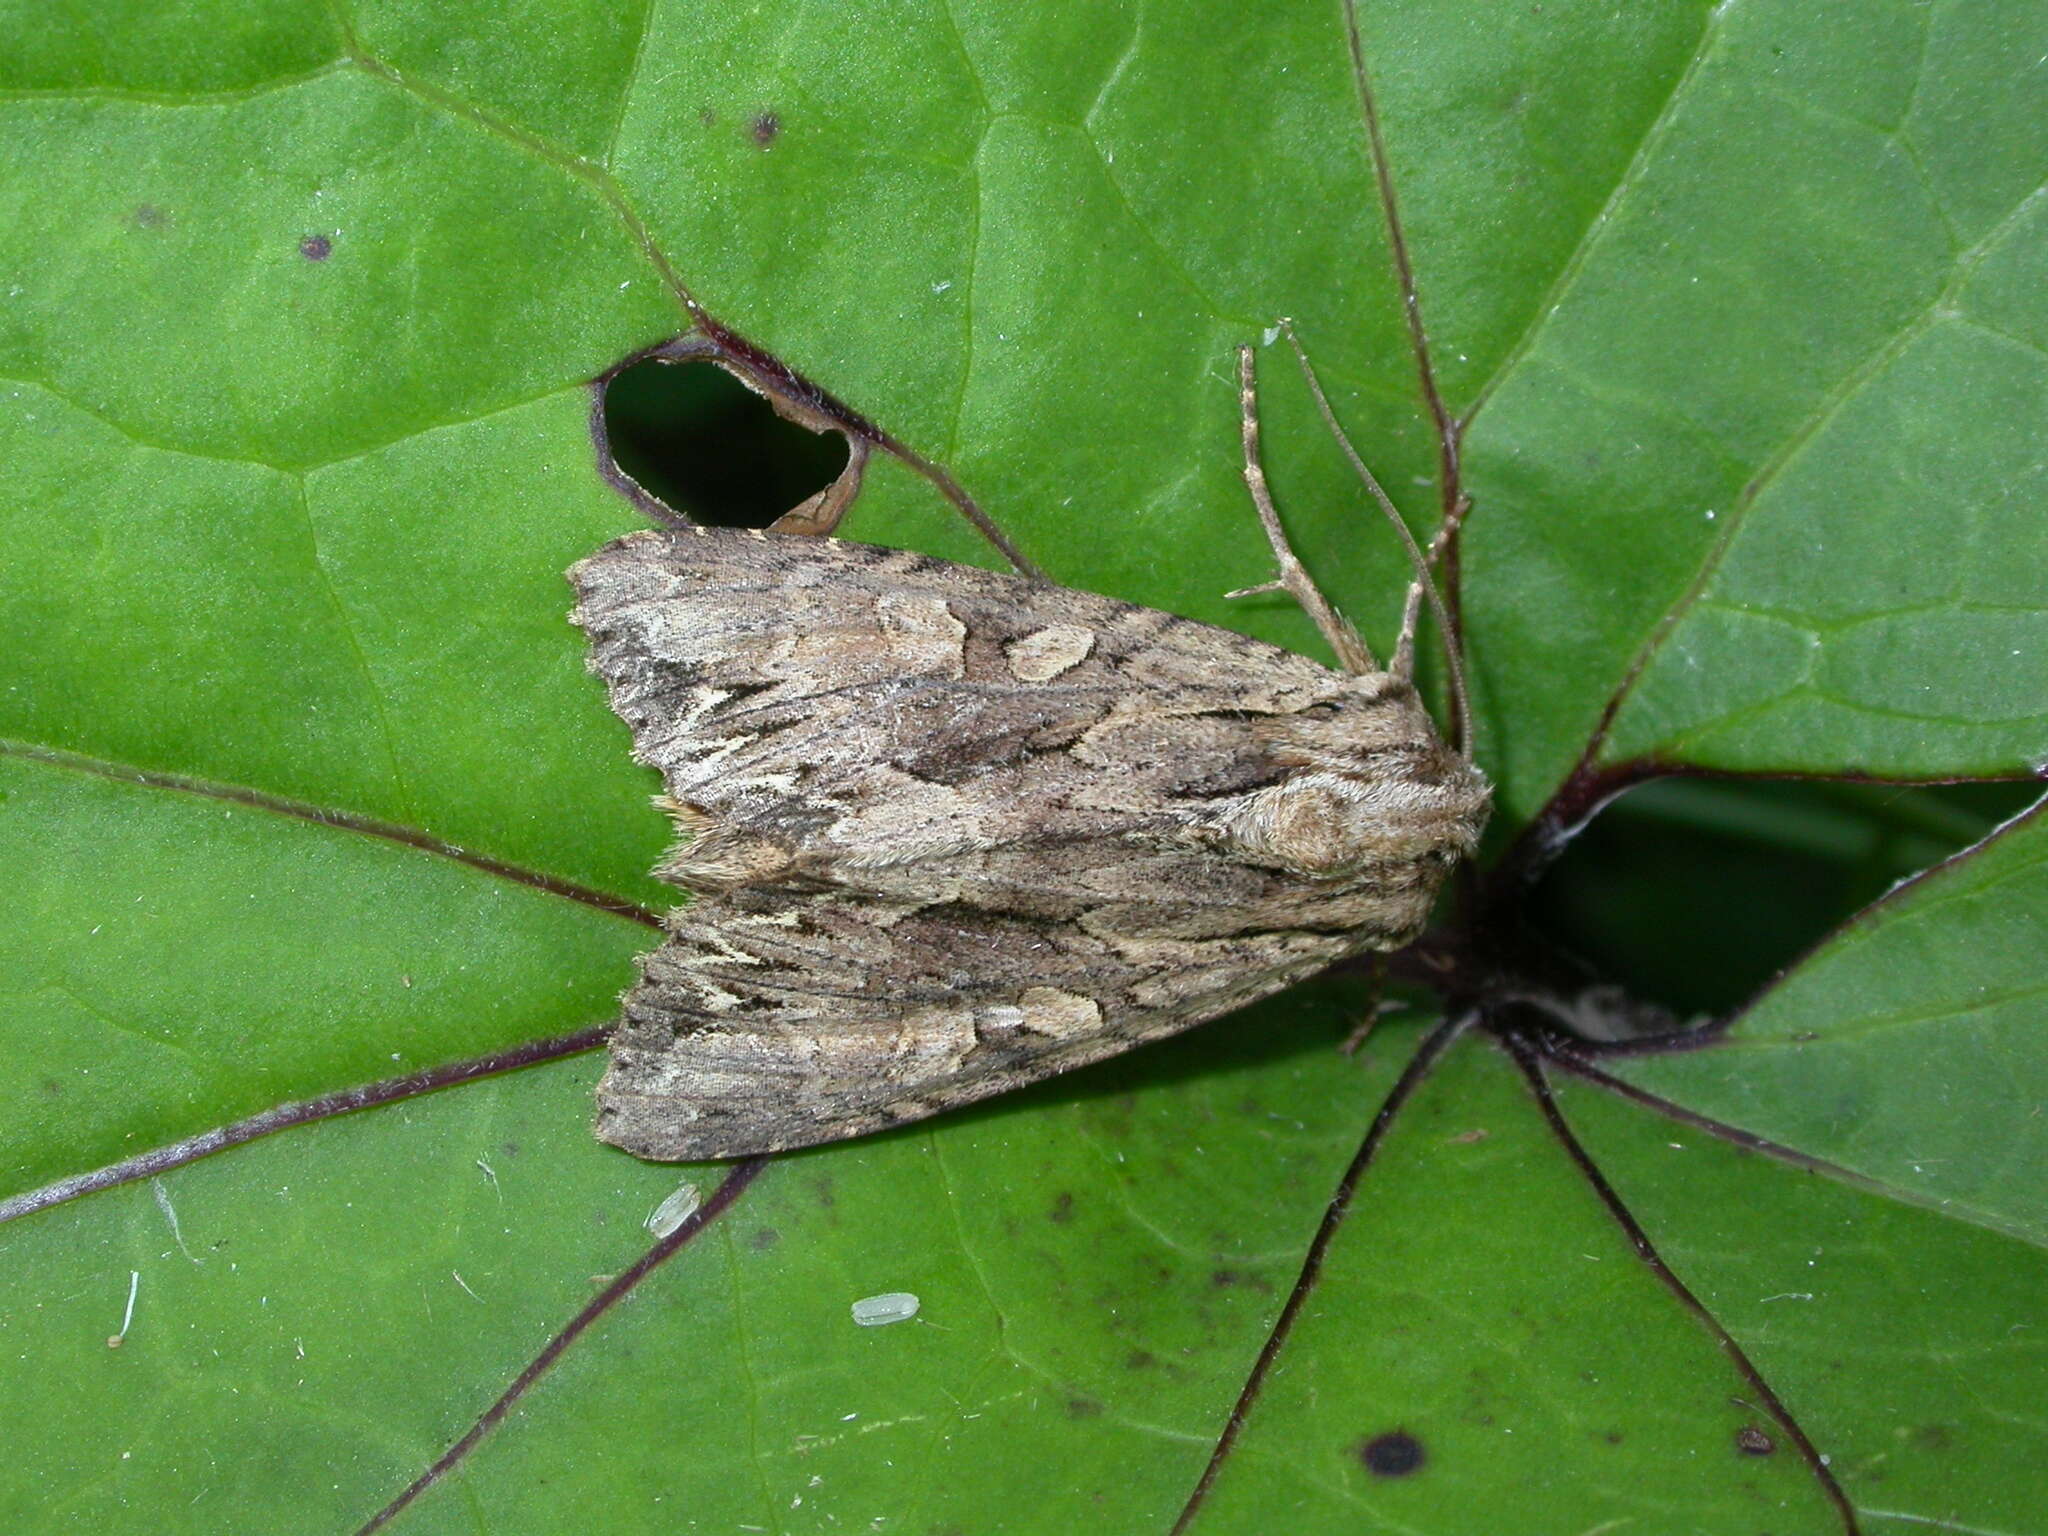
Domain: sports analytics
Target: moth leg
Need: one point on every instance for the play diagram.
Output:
(1424, 587)
(1378, 1006)
(1418, 591)
(1294, 578)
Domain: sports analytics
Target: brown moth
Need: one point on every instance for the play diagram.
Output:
(948, 832)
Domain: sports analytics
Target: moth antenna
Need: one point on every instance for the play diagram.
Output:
(1424, 585)
(1294, 578)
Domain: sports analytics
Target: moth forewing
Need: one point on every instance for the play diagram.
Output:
(950, 831)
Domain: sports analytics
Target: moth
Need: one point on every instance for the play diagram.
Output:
(947, 832)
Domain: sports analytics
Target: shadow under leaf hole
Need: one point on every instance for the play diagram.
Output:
(696, 438)
(1695, 892)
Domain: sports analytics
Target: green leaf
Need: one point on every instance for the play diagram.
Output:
(1945, 972)
(309, 805)
(1789, 391)
(1896, 1335)
(1411, 1336)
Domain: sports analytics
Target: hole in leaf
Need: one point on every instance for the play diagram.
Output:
(1693, 893)
(695, 437)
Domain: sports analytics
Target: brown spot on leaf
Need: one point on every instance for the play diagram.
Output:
(1393, 1454)
(1140, 1360)
(1083, 1408)
(1752, 1441)
(764, 126)
(316, 247)
(149, 216)
(767, 1237)
(1062, 1208)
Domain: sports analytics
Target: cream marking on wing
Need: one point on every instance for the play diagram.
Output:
(705, 700)
(781, 783)
(1049, 1011)
(716, 999)
(1044, 654)
(722, 952)
(788, 919)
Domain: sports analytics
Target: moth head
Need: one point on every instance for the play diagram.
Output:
(1371, 785)
(1325, 825)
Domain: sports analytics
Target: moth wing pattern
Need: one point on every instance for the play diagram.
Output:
(951, 831)
(770, 1020)
(810, 696)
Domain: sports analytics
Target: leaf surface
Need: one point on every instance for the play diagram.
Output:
(309, 804)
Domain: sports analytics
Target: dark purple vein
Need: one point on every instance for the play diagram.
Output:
(283, 1117)
(1589, 787)
(731, 346)
(346, 821)
(1574, 1059)
(778, 377)
(713, 341)
(1581, 1066)
(1450, 489)
(743, 1173)
(1419, 1065)
(1539, 1086)
(1577, 801)
(597, 177)
(1899, 892)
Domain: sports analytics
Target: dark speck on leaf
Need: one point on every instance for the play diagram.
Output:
(764, 127)
(1083, 1408)
(1752, 1441)
(1063, 1207)
(1140, 1359)
(706, 116)
(767, 1237)
(1224, 1279)
(316, 247)
(149, 216)
(1394, 1454)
